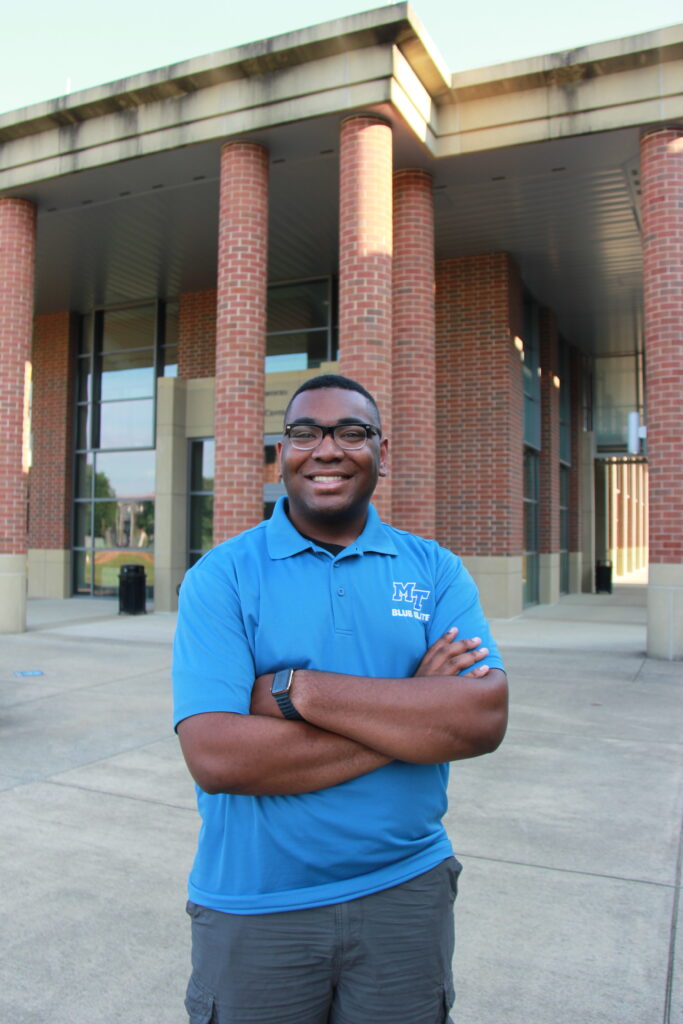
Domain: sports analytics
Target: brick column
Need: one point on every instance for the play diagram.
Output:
(50, 482)
(365, 271)
(661, 158)
(479, 508)
(549, 463)
(414, 369)
(17, 266)
(240, 338)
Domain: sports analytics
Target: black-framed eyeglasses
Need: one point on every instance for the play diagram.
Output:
(349, 436)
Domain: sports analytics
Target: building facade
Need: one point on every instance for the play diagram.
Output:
(496, 254)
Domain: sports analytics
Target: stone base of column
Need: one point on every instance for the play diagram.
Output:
(12, 593)
(49, 572)
(549, 577)
(575, 572)
(170, 510)
(665, 611)
(499, 579)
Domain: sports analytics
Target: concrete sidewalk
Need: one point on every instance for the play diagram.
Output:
(570, 834)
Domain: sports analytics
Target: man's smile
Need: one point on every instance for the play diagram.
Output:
(326, 478)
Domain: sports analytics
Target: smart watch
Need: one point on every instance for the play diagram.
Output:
(282, 683)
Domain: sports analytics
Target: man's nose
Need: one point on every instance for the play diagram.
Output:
(328, 449)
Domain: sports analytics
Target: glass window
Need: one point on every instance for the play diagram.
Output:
(298, 351)
(565, 403)
(564, 530)
(123, 524)
(616, 384)
(85, 377)
(125, 474)
(202, 455)
(120, 351)
(84, 464)
(200, 528)
(107, 568)
(83, 426)
(300, 326)
(127, 375)
(124, 329)
(83, 524)
(530, 557)
(531, 376)
(298, 306)
(169, 360)
(127, 424)
(201, 522)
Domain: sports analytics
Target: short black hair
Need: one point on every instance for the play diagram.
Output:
(334, 380)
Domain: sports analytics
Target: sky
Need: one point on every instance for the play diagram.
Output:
(50, 49)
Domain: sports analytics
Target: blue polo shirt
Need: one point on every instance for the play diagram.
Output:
(270, 599)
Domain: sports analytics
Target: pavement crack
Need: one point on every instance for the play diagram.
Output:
(569, 871)
(120, 796)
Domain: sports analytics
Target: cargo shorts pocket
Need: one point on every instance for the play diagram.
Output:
(198, 1003)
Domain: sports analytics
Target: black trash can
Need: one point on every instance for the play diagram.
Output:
(132, 590)
(603, 577)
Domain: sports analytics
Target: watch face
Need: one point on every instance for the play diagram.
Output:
(281, 682)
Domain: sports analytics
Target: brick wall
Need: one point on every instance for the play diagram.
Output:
(17, 264)
(197, 334)
(661, 157)
(479, 406)
(365, 266)
(50, 482)
(240, 338)
(414, 368)
(549, 456)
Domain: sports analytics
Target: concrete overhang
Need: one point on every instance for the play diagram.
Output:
(338, 67)
(379, 57)
(538, 158)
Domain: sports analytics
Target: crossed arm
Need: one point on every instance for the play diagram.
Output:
(354, 724)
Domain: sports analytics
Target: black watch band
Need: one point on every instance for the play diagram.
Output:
(282, 682)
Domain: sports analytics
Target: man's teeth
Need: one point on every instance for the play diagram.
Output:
(324, 479)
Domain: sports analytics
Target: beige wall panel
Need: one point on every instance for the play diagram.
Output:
(549, 577)
(170, 513)
(12, 593)
(499, 580)
(665, 611)
(200, 404)
(49, 573)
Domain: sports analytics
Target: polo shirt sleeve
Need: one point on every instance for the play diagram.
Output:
(457, 604)
(213, 664)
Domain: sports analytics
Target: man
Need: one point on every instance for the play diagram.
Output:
(321, 688)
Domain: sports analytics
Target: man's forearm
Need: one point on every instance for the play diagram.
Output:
(259, 755)
(423, 720)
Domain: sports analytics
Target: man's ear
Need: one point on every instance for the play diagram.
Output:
(383, 456)
(278, 450)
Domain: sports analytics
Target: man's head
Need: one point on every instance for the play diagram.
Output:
(333, 380)
(330, 474)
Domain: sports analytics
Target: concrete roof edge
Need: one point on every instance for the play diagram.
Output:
(612, 55)
(395, 24)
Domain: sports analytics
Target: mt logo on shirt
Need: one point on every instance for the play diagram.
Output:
(410, 594)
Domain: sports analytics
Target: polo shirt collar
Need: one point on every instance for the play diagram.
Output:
(284, 540)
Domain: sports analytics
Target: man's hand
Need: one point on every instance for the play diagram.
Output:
(448, 657)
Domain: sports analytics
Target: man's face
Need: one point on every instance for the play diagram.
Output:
(329, 488)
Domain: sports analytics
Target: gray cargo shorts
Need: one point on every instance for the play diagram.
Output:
(380, 959)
